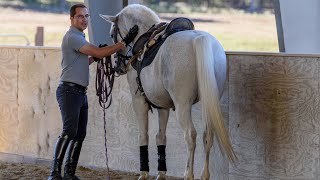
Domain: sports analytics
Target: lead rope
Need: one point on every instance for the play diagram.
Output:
(104, 84)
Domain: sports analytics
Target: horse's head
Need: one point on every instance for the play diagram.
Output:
(131, 15)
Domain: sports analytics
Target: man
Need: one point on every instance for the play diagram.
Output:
(71, 93)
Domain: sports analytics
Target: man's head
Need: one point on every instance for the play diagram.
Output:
(79, 16)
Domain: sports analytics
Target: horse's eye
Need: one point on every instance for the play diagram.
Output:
(111, 35)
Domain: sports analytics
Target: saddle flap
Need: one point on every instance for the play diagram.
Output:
(142, 40)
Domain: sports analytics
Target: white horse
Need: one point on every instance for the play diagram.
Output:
(190, 66)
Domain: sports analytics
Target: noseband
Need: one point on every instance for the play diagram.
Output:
(122, 60)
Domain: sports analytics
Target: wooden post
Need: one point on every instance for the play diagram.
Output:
(39, 36)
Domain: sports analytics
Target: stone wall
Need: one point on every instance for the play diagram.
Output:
(270, 101)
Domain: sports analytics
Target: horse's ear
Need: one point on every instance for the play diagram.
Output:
(108, 18)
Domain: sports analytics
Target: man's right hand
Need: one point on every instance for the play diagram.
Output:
(131, 35)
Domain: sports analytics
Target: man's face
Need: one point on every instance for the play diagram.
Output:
(80, 19)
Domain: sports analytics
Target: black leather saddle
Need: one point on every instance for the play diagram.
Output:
(176, 25)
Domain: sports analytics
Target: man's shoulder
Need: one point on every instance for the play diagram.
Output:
(73, 40)
(69, 36)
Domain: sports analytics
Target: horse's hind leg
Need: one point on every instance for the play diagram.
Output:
(184, 117)
(207, 143)
(161, 141)
(141, 109)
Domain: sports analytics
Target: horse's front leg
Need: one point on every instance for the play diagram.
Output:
(141, 109)
(161, 141)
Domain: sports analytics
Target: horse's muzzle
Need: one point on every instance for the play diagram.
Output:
(120, 65)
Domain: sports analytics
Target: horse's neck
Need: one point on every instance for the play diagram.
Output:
(147, 26)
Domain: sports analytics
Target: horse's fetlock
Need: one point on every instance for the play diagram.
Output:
(144, 139)
(193, 135)
(161, 139)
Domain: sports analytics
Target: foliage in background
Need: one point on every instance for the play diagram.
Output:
(251, 6)
(237, 30)
(57, 6)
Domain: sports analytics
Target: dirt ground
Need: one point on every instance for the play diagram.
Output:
(19, 171)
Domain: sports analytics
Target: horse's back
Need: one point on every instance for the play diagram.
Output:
(172, 76)
(183, 46)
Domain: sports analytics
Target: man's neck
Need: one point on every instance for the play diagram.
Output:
(77, 28)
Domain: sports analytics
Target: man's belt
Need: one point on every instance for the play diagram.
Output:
(74, 85)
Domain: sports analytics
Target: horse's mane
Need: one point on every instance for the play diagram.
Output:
(139, 14)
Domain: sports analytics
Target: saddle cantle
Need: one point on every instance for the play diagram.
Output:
(150, 42)
(178, 24)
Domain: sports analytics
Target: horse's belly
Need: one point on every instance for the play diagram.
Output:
(154, 90)
(160, 99)
(171, 78)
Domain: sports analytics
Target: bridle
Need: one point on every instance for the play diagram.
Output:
(122, 60)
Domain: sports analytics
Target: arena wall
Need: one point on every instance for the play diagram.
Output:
(270, 104)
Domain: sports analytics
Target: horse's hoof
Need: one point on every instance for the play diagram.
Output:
(205, 175)
(188, 175)
(144, 175)
(161, 175)
(204, 178)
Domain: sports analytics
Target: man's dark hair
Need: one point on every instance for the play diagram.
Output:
(74, 7)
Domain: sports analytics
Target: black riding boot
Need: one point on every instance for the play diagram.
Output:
(72, 160)
(59, 152)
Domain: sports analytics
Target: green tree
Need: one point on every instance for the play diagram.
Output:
(30, 1)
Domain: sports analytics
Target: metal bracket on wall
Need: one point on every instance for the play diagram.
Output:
(277, 12)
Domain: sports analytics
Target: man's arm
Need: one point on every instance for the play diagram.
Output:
(92, 50)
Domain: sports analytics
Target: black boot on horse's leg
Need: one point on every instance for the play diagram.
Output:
(59, 152)
(162, 166)
(144, 162)
(72, 160)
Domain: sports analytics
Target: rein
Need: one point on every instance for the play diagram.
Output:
(104, 81)
(104, 84)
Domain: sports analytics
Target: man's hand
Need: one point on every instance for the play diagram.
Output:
(96, 59)
(131, 35)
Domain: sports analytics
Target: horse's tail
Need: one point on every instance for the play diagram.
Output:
(209, 92)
